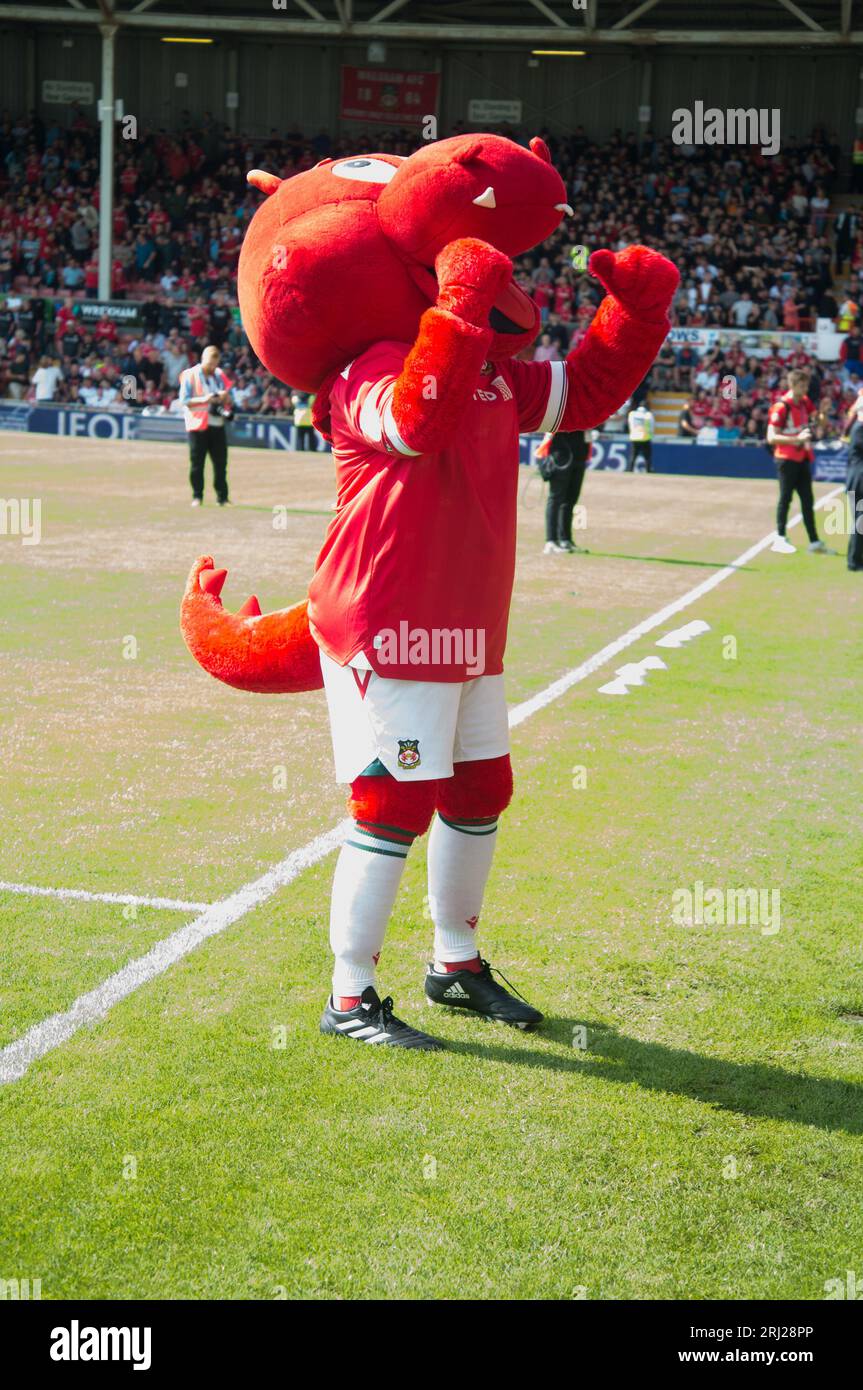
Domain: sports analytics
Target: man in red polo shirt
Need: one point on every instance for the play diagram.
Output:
(790, 436)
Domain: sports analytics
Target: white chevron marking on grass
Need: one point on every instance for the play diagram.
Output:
(680, 635)
(632, 674)
(17, 1057)
(33, 890)
(519, 713)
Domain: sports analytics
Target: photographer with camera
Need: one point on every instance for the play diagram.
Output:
(205, 395)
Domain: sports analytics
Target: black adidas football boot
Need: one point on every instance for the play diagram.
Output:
(373, 1021)
(477, 991)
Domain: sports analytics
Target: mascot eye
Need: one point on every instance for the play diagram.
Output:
(366, 170)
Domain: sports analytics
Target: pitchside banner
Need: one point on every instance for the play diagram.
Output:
(387, 95)
(80, 422)
(126, 313)
(610, 451)
(758, 343)
(825, 344)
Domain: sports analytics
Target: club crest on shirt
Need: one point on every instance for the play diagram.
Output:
(409, 753)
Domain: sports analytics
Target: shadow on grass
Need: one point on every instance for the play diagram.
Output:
(666, 560)
(747, 1088)
(289, 511)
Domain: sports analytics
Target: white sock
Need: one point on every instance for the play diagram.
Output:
(367, 877)
(459, 860)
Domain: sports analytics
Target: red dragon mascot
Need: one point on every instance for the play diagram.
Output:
(385, 285)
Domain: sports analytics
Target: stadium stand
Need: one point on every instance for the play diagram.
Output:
(754, 238)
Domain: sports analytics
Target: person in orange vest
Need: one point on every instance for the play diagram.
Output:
(205, 394)
(790, 437)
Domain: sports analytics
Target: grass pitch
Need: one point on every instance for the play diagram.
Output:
(688, 1122)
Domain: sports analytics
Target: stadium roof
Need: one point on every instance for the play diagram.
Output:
(590, 22)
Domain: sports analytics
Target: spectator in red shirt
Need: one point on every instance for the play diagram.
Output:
(158, 220)
(91, 278)
(105, 331)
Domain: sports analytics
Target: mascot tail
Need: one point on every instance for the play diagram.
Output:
(268, 653)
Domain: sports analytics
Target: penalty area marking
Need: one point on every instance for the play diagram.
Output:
(32, 890)
(17, 1057)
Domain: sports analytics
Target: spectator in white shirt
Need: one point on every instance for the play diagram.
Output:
(175, 361)
(45, 379)
(707, 379)
(742, 310)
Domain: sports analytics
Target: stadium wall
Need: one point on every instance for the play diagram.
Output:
(296, 82)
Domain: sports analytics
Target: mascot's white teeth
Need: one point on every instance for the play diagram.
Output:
(486, 199)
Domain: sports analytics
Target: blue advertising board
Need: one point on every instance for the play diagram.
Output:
(610, 451)
(80, 422)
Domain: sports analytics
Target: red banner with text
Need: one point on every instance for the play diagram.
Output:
(388, 97)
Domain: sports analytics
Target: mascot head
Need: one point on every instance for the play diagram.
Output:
(342, 256)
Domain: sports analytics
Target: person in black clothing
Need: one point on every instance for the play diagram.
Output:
(563, 469)
(220, 319)
(854, 488)
(149, 312)
(71, 343)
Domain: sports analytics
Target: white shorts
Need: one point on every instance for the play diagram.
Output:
(417, 729)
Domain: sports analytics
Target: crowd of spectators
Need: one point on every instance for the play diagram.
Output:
(753, 237)
(733, 393)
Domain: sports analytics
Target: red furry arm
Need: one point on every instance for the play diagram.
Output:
(437, 380)
(627, 332)
(440, 372)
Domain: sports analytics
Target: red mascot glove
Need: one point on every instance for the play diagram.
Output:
(641, 280)
(471, 275)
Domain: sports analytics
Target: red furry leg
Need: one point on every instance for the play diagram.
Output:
(476, 790)
(385, 802)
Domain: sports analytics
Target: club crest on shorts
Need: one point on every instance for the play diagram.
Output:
(409, 753)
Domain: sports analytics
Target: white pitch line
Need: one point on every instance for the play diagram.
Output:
(88, 1008)
(32, 890)
(16, 1057)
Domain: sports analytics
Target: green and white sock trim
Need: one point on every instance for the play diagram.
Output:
(485, 825)
(381, 839)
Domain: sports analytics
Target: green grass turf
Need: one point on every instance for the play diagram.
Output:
(688, 1122)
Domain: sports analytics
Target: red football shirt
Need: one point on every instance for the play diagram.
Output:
(790, 417)
(417, 567)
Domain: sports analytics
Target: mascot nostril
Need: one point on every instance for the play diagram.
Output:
(385, 285)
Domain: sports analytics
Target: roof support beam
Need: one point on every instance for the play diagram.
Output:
(549, 14)
(802, 16)
(283, 25)
(311, 9)
(635, 14)
(387, 11)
